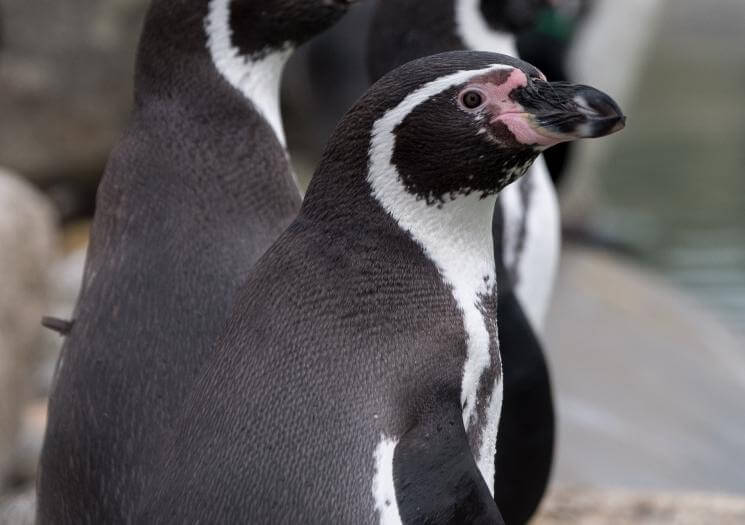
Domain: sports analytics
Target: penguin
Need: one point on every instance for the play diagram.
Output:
(358, 379)
(198, 187)
(526, 230)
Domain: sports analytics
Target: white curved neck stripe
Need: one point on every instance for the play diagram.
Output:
(258, 80)
(468, 216)
(475, 32)
(457, 238)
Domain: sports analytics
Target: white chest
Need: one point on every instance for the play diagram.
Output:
(462, 250)
(531, 242)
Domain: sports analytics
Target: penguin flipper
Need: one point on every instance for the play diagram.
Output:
(436, 477)
(527, 425)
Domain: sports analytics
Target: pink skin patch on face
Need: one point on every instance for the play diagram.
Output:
(522, 128)
(497, 88)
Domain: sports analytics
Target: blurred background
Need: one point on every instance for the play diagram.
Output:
(646, 337)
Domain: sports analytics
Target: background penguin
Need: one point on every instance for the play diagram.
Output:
(197, 188)
(358, 379)
(546, 45)
(526, 233)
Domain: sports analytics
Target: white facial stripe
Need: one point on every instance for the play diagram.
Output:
(384, 491)
(457, 237)
(475, 32)
(258, 80)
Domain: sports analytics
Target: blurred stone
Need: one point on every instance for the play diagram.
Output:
(18, 509)
(66, 83)
(621, 507)
(27, 238)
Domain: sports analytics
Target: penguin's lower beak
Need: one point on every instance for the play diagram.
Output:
(560, 111)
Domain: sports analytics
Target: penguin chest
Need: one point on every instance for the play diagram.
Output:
(481, 387)
(531, 239)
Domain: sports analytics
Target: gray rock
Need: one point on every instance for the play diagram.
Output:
(66, 82)
(27, 241)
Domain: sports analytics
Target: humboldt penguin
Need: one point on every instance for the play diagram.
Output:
(358, 379)
(194, 192)
(526, 232)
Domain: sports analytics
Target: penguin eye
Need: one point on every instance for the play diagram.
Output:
(472, 99)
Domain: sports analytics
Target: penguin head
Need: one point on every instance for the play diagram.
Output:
(283, 22)
(464, 122)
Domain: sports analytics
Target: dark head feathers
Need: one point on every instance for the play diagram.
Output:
(403, 30)
(431, 133)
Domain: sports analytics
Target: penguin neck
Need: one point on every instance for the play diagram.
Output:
(187, 54)
(257, 76)
(456, 237)
(476, 33)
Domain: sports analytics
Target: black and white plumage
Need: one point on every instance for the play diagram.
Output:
(526, 231)
(195, 191)
(404, 30)
(359, 379)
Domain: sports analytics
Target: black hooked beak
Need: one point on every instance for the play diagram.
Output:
(563, 111)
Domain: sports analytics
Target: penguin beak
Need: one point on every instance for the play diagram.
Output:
(561, 111)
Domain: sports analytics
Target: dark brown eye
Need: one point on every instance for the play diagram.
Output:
(472, 99)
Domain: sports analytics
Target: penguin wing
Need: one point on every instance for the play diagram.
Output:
(437, 478)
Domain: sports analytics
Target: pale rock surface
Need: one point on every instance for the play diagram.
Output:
(27, 246)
